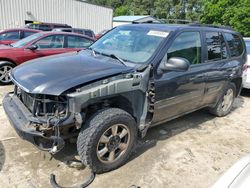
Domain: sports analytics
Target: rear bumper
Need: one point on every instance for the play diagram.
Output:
(21, 120)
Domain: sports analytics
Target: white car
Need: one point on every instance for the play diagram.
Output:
(238, 176)
(246, 72)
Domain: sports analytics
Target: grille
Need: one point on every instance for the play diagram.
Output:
(27, 100)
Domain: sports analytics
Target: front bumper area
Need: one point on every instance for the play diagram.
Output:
(22, 121)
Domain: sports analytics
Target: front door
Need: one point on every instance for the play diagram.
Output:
(177, 93)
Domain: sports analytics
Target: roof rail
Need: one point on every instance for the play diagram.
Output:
(150, 22)
(209, 25)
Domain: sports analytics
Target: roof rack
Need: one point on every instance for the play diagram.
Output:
(149, 22)
(209, 25)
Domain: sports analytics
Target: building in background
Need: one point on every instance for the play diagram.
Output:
(121, 20)
(77, 13)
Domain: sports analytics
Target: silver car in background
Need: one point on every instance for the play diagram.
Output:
(246, 72)
(238, 176)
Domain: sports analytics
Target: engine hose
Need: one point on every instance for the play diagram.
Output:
(85, 184)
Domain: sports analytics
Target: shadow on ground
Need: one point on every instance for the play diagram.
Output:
(166, 130)
(245, 92)
(2, 155)
(161, 132)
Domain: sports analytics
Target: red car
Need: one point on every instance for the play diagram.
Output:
(38, 45)
(9, 36)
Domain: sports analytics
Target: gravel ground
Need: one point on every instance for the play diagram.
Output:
(191, 151)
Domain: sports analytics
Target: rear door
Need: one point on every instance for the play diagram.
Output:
(177, 93)
(221, 66)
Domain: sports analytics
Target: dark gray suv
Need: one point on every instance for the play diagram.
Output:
(134, 77)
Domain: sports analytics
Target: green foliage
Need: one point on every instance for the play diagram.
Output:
(122, 10)
(228, 12)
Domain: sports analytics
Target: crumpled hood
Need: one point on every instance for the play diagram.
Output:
(55, 74)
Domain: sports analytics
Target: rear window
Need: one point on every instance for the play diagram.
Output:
(235, 44)
(44, 28)
(89, 33)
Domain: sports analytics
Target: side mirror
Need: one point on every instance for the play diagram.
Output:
(175, 64)
(32, 47)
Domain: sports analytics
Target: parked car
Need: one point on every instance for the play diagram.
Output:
(38, 45)
(134, 77)
(100, 34)
(9, 36)
(238, 176)
(246, 72)
(46, 26)
(87, 32)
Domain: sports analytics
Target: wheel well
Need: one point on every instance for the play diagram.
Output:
(237, 82)
(122, 103)
(6, 59)
(114, 102)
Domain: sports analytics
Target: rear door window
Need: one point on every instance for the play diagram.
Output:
(27, 33)
(216, 46)
(213, 41)
(78, 42)
(187, 45)
(235, 44)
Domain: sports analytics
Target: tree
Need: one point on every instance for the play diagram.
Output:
(178, 9)
(228, 12)
(122, 10)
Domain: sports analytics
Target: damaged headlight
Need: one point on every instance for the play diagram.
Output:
(50, 106)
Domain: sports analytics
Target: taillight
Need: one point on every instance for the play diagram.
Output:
(245, 66)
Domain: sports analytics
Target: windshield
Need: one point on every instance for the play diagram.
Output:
(248, 47)
(133, 44)
(23, 42)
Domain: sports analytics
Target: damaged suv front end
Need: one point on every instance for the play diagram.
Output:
(36, 118)
(55, 98)
(47, 120)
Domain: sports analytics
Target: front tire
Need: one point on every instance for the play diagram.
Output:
(225, 103)
(107, 139)
(5, 69)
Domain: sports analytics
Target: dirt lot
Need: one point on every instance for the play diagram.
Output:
(192, 151)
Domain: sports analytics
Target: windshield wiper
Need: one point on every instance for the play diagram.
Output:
(94, 52)
(119, 59)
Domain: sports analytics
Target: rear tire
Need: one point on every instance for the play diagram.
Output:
(225, 103)
(5, 69)
(107, 139)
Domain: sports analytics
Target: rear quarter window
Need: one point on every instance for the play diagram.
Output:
(235, 44)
